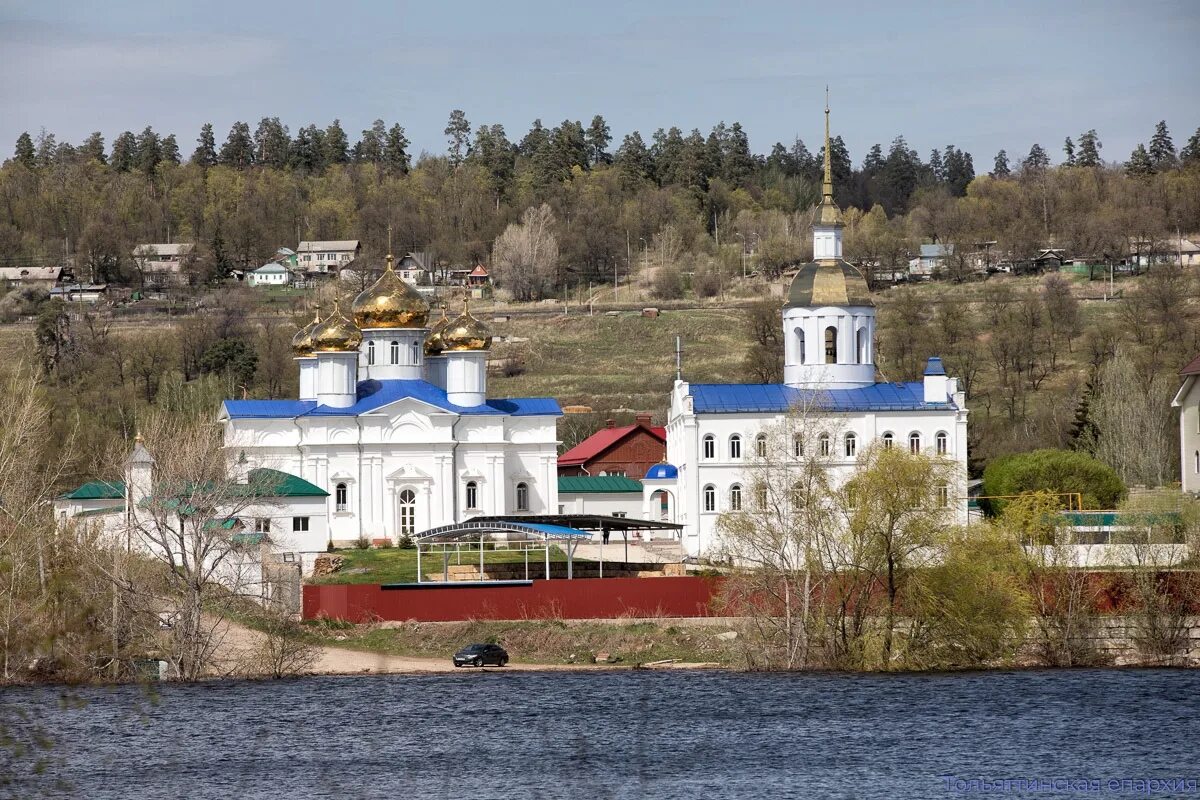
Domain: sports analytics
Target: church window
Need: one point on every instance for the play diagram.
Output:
(735, 447)
(370, 354)
(710, 446)
(831, 345)
(862, 346)
(760, 445)
(825, 445)
(914, 442)
(300, 524)
(888, 440)
(800, 344)
(416, 353)
(408, 512)
(710, 498)
(942, 443)
(395, 352)
(341, 497)
(798, 446)
(943, 496)
(472, 495)
(735, 497)
(522, 497)
(851, 445)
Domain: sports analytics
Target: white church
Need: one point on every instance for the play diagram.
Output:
(716, 431)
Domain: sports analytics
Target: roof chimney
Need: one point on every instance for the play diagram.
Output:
(643, 420)
(610, 423)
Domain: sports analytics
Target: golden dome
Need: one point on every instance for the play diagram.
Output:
(390, 303)
(433, 342)
(336, 334)
(828, 282)
(302, 343)
(466, 333)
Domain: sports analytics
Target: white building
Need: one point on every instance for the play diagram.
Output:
(270, 274)
(1187, 400)
(162, 263)
(327, 256)
(393, 420)
(716, 431)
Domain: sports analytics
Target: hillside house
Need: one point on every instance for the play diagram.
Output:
(269, 274)
(323, 257)
(162, 264)
(627, 451)
(30, 277)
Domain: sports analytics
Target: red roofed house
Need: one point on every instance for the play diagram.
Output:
(626, 451)
(1187, 400)
(479, 276)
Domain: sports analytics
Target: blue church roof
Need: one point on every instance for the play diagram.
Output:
(934, 366)
(374, 394)
(774, 398)
(662, 472)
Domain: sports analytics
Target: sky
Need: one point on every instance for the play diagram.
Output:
(979, 75)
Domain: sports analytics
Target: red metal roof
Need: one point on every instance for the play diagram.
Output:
(1192, 368)
(479, 272)
(600, 441)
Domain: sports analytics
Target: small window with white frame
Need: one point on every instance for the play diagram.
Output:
(299, 524)
(709, 446)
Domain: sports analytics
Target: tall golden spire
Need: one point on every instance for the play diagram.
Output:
(830, 214)
(390, 257)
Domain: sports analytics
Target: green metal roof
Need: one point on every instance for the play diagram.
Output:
(596, 484)
(98, 490)
(273, 483)
(98, 511)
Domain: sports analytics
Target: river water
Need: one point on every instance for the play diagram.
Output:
(623, 734)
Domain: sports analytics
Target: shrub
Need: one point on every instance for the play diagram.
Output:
(406, 542)
(1057, 471)
(362, 543)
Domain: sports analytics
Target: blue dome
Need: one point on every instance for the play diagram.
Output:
(662, 472)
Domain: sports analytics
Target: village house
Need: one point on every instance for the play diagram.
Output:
(269, 274)
(30, 277)
(162, 264)
(627, 451)
(324, 257)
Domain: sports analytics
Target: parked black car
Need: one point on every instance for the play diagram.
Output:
(476, 655)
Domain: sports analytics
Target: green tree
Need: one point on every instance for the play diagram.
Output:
(232, 358)
(634, 162)
(1037, 160)
(1162, 149)
(238, 150)
(1190, 154)
(458, 134)
(92, 148)
(170, 149)
(395, 151)
(271, 142)
(598, 137)
(336, 144)
(1069, 152)
(205, 154)
(1060, 472)
(307, 152)
(1000, 168)
(25, 154)
(1139, 165)
(124, 152)
(148, 151)
(371, 146)
(1089, 150)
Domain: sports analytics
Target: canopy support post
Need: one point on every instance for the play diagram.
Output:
(570, 560)
(526, 549)
(546, 542)
(445, 564)
(481, 556)
(418, 562)
(602, 548)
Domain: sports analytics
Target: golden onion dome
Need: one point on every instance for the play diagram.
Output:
(302, 343)
(466, 333)
(336, 334)
(433, 342)
(390, 303)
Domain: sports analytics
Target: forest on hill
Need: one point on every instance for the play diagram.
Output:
(698, 203)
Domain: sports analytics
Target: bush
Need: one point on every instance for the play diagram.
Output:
(668, 284)
(362, 543)
(1057, 471)
(406, 542)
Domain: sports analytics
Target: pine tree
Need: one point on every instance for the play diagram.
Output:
(170, 149)
(598, 137)
(238, 150)
(737, 162)
(205, 154)
(936, 167)
(1190, 154)
(395, 151)
(1140, 164)
(307, 149)
(873, 163)
(780, 160)
(458, 134)
(337, 144)
(148, 151)
(805, 163)
(370, 147)
(634, 162)
(47, 149)
(534, 141)
(960, 170)
(495, 154)
(1037, 160)
(271, 142)
(1089, 150)
(25, 154)
(1069, 152)
(1000, 168)
(124, 152)
(1162, 149)
(92, 148)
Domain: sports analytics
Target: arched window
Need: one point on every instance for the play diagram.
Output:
(395, 348)
(800, 344)
(942, 443)
(888, 440)
(943, 496)
(341, 497)
(522, 497)
(914, 442)
(824, 444)
(472, 495)
(797, 497)
(760, 445)
(408, 512)
(798, 446)
(831, 345)
(862, 345)
(370, 353)
(710, 498)
(735, 497)
(416, 353)
(735, 447)
(710, 446)
(851, 445)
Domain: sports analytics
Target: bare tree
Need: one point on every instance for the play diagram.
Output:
(1133, 423)
(284, 651)
(525, 256)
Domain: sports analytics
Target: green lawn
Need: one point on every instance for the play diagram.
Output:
(396, 565)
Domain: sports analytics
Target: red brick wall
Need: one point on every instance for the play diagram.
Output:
(638, 452)
(583, 598)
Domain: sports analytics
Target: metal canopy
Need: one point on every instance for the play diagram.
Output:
(584, 522)
(471, 530)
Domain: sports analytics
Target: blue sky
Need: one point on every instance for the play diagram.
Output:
(982, 76)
